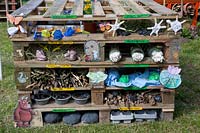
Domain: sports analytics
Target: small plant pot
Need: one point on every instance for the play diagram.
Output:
(41, 99)
(62, 98)
(81, 98)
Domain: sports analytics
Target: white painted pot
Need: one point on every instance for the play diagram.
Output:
(115, 55)
(137, 54)
(156, 54)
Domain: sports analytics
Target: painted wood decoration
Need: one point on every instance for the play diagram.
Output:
(23, 113)
(22, 78)
(92, 51)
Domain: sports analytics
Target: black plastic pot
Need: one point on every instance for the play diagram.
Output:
(41, 99)
(62, 98)
(81, 97)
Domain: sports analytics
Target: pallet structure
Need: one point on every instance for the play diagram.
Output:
(12, 5)
(50, 12)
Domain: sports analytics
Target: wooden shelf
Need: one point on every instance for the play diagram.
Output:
(8, 10)
(41, 18)
(2, 3)
(78, 64)
(99, 37)
(148, 88)
(89, 106)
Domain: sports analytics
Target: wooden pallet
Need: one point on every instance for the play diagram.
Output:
(47, 12)
(166, 107)
(104, 114)
(129, 9)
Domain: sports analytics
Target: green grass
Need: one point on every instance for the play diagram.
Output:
(187, 112)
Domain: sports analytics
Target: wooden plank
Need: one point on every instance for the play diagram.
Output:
(97, 97)
(160, 9)
(18, 51)
(98, 10)
(56, 8)
(89, 106)
(27, 8)
(171, 51)
(137, 8)
(100, 37)
(168, 97)
(167, 116)
(78, 64)
(148, 88)
(108, 17)
(104, 116)
(78, 10)
(117, 8)
(37, 120)
(168, 110)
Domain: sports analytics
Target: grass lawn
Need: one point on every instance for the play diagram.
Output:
(187, 111)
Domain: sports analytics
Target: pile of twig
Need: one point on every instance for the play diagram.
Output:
(129, 99)
(57, 78)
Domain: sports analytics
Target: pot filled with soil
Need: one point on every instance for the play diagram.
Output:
(62, 98)
(81, 97)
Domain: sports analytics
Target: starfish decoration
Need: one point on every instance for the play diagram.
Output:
(175, 25)
(116, 26)
(156, 28)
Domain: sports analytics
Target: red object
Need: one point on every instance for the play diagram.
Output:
(23, 113)
(194, 21)
(170, 3)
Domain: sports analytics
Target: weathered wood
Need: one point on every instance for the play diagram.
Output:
(117, 8)
(24, 93)
(137, 8)
(167, 116)
(160, 9)
(104, 116)
(102, 51)
(171, 51)
(78, 10)
(98, 10)
(100, 37)
(108, 17)
(37, 120)
(76, 64)
(71, 105)
(168, 97)
(97, 97)
(56, 8)
(148, 88)
(18, 52)
(26, 9)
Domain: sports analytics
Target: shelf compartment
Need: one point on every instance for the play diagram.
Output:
(24, 79)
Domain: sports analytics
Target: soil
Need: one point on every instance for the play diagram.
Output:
(40, 96)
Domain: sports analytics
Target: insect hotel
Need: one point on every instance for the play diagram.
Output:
(83, 61)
